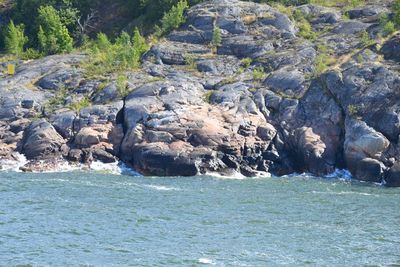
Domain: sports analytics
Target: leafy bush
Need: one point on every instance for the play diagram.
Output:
(15, 39)
(53, 36)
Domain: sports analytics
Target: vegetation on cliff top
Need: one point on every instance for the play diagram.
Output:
(60, 25)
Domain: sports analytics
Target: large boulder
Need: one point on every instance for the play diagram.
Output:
(41, 141)
(363, 150)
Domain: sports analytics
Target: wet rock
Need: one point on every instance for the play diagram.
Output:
(392, 177)
(103, 156)
(369, 170)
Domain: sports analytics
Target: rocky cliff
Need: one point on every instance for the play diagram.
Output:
(266, 100)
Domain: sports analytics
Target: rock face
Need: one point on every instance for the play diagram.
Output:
(259, 102)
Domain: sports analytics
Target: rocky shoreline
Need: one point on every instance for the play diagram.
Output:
(191, 110)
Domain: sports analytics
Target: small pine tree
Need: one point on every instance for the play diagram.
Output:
(102, 42)
(173, 18)
(216, 37)
(124, 40)
(53, 35)
(15, 39)
(139, 42)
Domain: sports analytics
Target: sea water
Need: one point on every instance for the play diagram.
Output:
(92, 219)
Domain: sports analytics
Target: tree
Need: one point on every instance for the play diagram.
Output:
(53, 35)
(139, 43)
(15, 39)
(173, 18)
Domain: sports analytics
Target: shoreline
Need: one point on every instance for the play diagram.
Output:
(120, 168)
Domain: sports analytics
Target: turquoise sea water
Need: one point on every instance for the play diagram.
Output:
(86, 219)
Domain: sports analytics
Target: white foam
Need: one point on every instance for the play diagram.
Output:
(233, 176)
(116, 168)
(162, 188)
(344, 193)
(13, 165)
(206, 261)
(340, 174)
(237, 175)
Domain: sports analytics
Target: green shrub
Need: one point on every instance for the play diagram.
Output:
(346, 3)
(139, 43)
(81, 104)
(246, 62)
(15, 39)
(173, 18)
(53, 36)
(258, 73)
(208, 95)
(365, 39)
(389, 28)
(322, 63)
(305, 30)
(190, 61)
(122, 85)
(31, 53)
(216, 37)
(352, 110)
(108, 57)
